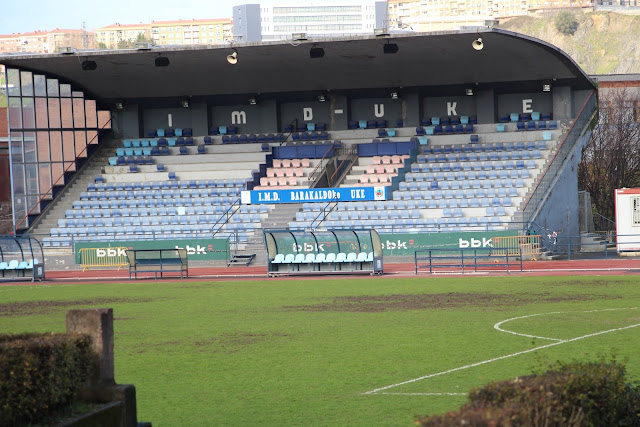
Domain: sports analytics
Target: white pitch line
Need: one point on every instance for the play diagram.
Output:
(498, 328)
(423, 394)
(507, 356)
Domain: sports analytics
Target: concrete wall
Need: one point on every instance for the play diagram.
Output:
(259, 118)
(450, 106)
(270, 115)
(305, 112)
(560, 212)
(376, 109)
(530, 102)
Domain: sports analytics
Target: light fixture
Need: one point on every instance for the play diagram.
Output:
(546, 86)
(119, 106)
(468, 91)
(394, 95)
(89, 65)
(390, 48)
(161, 61)
(233, 58)
(184, 103)
(253, 100)
(299, 36)
(322, 97)
(316, 52)
(477, 44)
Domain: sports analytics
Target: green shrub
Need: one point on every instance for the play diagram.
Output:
(573, 394)
(40, 373)
(566, 23)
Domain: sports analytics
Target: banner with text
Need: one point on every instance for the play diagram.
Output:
(319, 195)
(197, 249)
(407, 244)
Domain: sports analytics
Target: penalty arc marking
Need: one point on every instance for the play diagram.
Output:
(507, 356)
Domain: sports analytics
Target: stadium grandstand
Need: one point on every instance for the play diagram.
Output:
(422, 137)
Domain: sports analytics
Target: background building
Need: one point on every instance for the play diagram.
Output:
(47, 41)
(247, 23)
(195, 31)
(434, 15)
(327, 19)
(111, 36)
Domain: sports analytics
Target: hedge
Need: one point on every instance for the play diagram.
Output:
(573, 394)
(40, 373)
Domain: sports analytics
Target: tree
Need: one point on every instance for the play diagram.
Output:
(101, 45)
(129, 44)
(566, 23)
(611, 157)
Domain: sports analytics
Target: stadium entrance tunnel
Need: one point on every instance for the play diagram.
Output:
(291, 251)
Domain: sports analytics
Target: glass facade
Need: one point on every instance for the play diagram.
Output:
(50, 127)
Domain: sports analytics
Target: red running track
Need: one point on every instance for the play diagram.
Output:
(595, 267)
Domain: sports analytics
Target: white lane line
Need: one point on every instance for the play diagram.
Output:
(507, 356)
(498, 328)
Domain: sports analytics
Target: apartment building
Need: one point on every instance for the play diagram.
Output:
(195, 31)
(111, 35)
(316, 19)
(177, 32)
(47, 41)
(440, 15)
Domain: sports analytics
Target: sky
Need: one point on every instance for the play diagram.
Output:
(21, 16)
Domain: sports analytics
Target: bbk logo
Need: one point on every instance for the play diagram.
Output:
(393, 245)
(308, 247)
(110, 252)
(198, 250)
(475, 243)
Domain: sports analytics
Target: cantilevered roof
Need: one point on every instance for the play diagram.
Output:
(422, 60)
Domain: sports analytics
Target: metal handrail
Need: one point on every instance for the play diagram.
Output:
(564, 149)
(312, 175)
(63, 173)
(226, 215)
(603, 223)
(324, 213)
(351, 156)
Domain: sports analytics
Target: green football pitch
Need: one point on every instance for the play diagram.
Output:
(339, 351)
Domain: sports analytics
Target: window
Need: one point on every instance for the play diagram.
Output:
(635, 211)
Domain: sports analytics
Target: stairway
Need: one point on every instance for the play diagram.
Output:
(591, 242)
(279, 218)
(71, 192)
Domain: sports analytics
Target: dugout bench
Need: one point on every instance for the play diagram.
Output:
(158, 261)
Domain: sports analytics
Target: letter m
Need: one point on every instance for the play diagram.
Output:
(238, 118)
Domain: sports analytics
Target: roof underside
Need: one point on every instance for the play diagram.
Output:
(422, 60)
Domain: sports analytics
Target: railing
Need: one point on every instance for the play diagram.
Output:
(564, 150)
(326, 210)
(573, 245)
(74, 163)
(526, 246)
(459, 260)
(224, 219)
(343, 167)
(294, 125)
(317, 171)
(603, 224)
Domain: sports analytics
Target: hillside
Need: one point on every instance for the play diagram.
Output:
(605, 43)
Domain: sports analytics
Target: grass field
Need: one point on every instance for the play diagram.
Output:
(312, 352)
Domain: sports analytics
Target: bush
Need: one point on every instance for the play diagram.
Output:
(570, 395)
(40, 373)
(566, 23)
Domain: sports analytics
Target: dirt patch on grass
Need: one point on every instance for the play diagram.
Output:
(31, 308)
(233, 343)
(378, 303)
